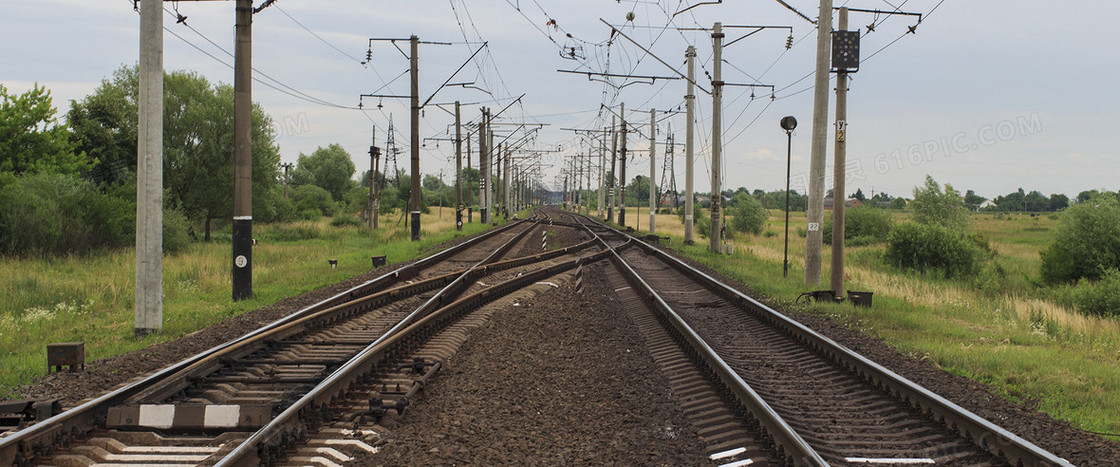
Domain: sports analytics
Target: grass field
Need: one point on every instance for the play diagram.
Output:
(1025, 347)
(90, 299)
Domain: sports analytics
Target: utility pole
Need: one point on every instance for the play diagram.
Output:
(148, 297)
(505, 187)
(815, 212)
(652, 163)
(622, 171)
(689, 97)
(243, 155)
(467, 192)
(414, 202)
(601, 201)
(374, 158)
(614, 171)
(483, 168)
(717, 92)
(839, 196)
(458, 170)
(286, 166)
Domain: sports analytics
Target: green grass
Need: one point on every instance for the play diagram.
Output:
(1026, 348)
(90, 298)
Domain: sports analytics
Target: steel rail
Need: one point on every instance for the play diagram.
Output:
(286, 426)
(984, 433)
(792, 446)
(21, 445)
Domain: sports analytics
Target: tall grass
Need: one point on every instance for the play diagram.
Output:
(90, 298)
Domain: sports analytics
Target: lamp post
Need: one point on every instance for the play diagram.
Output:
(788, 124)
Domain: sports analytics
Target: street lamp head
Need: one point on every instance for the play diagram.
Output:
(789, 123)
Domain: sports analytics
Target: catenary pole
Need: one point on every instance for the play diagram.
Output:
(414, 201)
(622, 170)
(149, 174)
(243, 154)
(839, 196)
(652, 163)
(815, 209)
(689, 99)
(717, 93)
(458, 169)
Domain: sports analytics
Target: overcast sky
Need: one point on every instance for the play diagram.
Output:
(989, 96)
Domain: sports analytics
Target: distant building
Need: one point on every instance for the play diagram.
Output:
(988, 204)
(848, 203)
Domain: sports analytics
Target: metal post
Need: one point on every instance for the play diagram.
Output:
(788, 123)
(652, 163)
(689, 97)
(458, 170)
(622, 170)
(243, 154)
(839, 196)
(148, 296)
(717, 93)
(815, 211)
(414, 43)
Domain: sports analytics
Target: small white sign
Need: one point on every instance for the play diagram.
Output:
(688, 216)
(240, 261)
(814, 226)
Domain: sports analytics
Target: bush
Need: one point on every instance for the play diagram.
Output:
(55, 214)
(313, 198)
(934, 248)
(748, 215)
(1086, 242)
(346, 220)
(176, 231)
(869, 226)
(934, 206)
(1096, 297)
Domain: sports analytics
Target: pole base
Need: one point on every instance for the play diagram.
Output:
(415, 226)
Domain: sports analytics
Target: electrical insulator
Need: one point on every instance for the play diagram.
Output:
(789, 42)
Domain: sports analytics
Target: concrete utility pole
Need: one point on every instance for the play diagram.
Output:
(414, 201)
(287, 166)
(717, 93)
(467, 192)
(689, 97)
(601, 201)
(458, 169)
(839, 196)
(614, 171)
(590, 151)
(815, 212)
(148, 296)
(652, 163)
(505, 187)
(483, 168)
(374, 153)
(622, 171)
(243, 153)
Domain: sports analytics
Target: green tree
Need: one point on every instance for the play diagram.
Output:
(104, 126)
(1012, 202)
(859, 195)
(1058, 201)
(748, 215)
(637, 191)
(329, 168)
(973, 200)
(1035, 201)
(1086, 242)
(933, 206)
(31, 138)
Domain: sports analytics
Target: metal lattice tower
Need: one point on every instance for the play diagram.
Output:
(391, 151)
(668, 175)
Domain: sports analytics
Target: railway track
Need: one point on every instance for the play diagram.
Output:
(285, 391)
(318, 387)
(763, 389)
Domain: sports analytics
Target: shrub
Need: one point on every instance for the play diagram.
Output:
(933, 248)
(56, 214)
(869, 225)
(346, 220)
(176, 231)
(933, 206)
(310, 197)
(1096, 297)
(1086, 242)
(700, 220)
(748, 215)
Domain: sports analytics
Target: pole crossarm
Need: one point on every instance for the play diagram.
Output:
(615, 30)
(449, 78)
(590, 74)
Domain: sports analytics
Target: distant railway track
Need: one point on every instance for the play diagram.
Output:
(762, 388)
